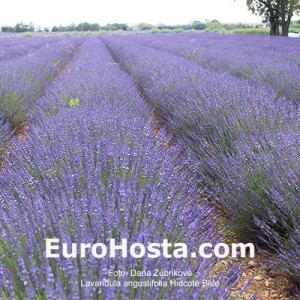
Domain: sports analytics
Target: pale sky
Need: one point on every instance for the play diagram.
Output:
(170, 12)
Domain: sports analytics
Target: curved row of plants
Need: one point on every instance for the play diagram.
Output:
(24, 79)
(244, 139)
(12, 48)
(88, 171)
(272, 61)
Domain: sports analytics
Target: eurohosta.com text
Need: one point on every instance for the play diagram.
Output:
(55, 249)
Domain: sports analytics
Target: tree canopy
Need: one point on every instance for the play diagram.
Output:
(276, 12)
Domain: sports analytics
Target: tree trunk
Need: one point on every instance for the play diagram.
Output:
(277, 28)
(286, 26)
(274, 29)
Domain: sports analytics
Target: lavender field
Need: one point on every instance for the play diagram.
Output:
(146, 138)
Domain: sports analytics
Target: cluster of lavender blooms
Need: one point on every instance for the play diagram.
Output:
(11, 48)
(271, 61)
(90, 170)
(244, 139)
(5, 134)
(23, 79)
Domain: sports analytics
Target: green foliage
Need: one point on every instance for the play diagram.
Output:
(53, 111)
(237, 25)
(154, 30)
(191, 55)
(85, 26)
(11, 106)
(174, 27)
(116, 26)
(276, 12)
(86, 34)
(90, 27)
(236, 28)
(178, 30)
(215, 26)
(252, 31)
(7, 29)
(222, 30)
(197, 25)
(294, 28)
(28, 34)
(74, 102)
(21, 27)
(145, 26)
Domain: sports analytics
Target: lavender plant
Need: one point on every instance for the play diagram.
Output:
(254, 58)
(90, 170)
(5, 134)
(244, 138)
(12, 48)
(23, 80)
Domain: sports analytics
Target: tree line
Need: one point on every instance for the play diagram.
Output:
(84, 26)
(275, 13)
(19, 27)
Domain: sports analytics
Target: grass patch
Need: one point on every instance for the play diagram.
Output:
(252, 31)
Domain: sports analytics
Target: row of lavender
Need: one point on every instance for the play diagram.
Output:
(25, 78)
(11, 48)
(89, 171)
(274, 62)
(244, 138)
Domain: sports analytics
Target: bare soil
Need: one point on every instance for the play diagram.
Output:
(266, 282)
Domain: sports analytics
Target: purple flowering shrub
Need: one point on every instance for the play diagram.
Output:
(254, 58)
(24, 79)
(90, 170)
(5, 134)
(12, 48)
(244, 139)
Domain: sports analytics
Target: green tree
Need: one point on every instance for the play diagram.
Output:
(287, 10)
(94, 27)
(145, 26)
(85, 26)
(276, 12)
(55, 29)
(197, 25)
(7, 29)
(72, 27)
(268, 10)
(21, 27)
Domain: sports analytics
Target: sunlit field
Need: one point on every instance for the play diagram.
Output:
(189, 137)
